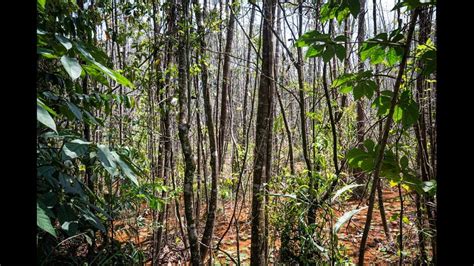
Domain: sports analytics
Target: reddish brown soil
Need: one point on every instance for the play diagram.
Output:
(379, 249)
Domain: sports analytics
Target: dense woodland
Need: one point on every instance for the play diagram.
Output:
(236, 132)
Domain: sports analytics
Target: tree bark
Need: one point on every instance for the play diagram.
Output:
(263, 129)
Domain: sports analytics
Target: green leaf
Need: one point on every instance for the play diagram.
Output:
(397, 114)
(314, 51)
(115, 75)
(404, 162)
(72, 67)
(343, 189)
(411, 115)
(75, 148)
(358, 158)
(393, 57)
(344, 218)
(75, 110)
(87, 56)
(328, 53)
(429, 187)
(46, 53)
(44, 118)
(125, 168)
(369, 145)
(43, 221)
(354, 7)
(96, 73)
(364, 88)
(64, 41)
(40, 103)
(107, 159)
(70, 184)
(312, 37)
(383, 102)
(92, 219)
(340, 51)
(42, 3)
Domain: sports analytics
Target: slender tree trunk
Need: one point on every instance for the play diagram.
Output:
(209, 227)
(263, 129)
(183, 132)
(359, 175)
(383, 142)
(225, 83)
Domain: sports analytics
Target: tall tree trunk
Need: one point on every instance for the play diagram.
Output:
(225, 83)
(183, 132)
(263, 131)
(209, 228)
(359, 175)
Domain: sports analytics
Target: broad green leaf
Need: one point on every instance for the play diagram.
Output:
(382, 103)
(72, 67)
(43, 221)
(42, 3)
(64, 41)
(344, 189)
(344, 78)
(46, 53)
(354, 7)
(40, 103)
(404, 162)
(393, 57)
(44, 118)
(397, 114)
(92, 219)
(369, 144)
(346, 89)
(107, 159)
(75, 110)
(125, 168)
(314, 50)
(328, 53)
(344, 218)
(312, 37)
(70, 184)
(429, 187)
(358, 158)
(410, 114)
(87, 56)
(340, 51)
(95, 72)
(364, 88)
(115, 75)
(75, 148)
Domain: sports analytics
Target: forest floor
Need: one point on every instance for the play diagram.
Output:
(379, 248)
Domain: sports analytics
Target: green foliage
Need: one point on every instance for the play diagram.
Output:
(382, 102)
(344, 189)
(45, 118)
(361, 84)
(396, 171)
(344, 218)
(43, 221)
(339, 9)
(322, 45)
(383, 48)
(426, 54)
(406, 111)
